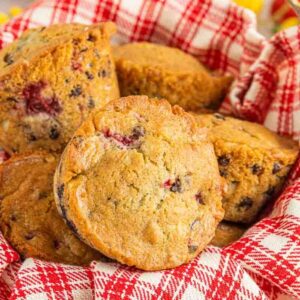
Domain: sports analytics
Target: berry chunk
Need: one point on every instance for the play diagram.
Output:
(137, 132)
(89, 75)
(127, 141)
(199, 198)
(76, 65)
(8, 59)
(176, 186)
(56, 244)
(76, 91)
(257, 169)
(52, 75)
(245, 203)
(29, 236)
(276, 168)
(223, 161)
(54, 133)
(37, 103)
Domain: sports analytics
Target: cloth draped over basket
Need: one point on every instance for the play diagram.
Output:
(265, 262)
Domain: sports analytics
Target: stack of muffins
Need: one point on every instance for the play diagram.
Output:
(136, 179)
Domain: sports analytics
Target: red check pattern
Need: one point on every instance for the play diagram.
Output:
(265, 262)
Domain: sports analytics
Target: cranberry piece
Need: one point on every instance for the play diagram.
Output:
(13, 218)
(167, 184)
(76, 42)
(92, 38)
(76, 91)
(199, 198)
(91, 103)
(60, 191)
(8, 59)
(223, 173)
(89, 75)
(123, 139)
(3, 155)
(103, 73)
(245, 203)
(107, 133)
(276, 168)
(137, 132)
(36, 103)
(129, 141)
(76, 65)
(54, 133)
(223, 160)
(257, 169)
(29, 236)
(176, 186)
(56, 244)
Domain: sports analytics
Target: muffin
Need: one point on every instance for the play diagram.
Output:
(253, 161)
(227, 233)
(164, 72)
(139, 182)
(28, 215)
(51, 79)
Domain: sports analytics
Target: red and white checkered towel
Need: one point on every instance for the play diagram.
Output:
(265, 263)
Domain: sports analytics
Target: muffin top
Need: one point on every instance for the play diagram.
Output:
(242, 132)
(168, 58)
(139, 182)
(34, 42)
(28, 215)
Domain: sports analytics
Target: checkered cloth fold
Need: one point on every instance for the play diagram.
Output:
(265, 262)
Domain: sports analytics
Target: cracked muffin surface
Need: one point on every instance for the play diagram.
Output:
(29, 219)
(165, 72)
(50, 79)
(253, 161)
(139, 182)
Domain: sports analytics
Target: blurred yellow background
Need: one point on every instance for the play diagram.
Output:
(279, 12)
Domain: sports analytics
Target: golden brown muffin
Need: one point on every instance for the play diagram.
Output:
(139, 181)
(253, 161)
(50, 79)
(227, 233)
(164, 72)
(28, 215)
